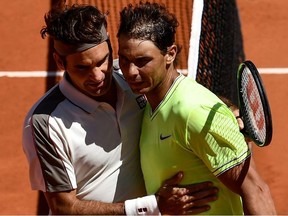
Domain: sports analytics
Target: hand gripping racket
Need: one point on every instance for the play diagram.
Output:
(253, 105)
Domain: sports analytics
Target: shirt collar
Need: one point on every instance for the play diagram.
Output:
(83, 101)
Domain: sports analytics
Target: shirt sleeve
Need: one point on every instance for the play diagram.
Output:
(49, 166)
(214, 136)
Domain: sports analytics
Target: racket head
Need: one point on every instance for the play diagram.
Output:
(254, 105)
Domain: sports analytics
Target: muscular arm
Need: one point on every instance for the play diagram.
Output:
(245, 181)
(172, 199)
(67, 203)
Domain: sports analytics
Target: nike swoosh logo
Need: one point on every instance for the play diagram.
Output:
(164, 137)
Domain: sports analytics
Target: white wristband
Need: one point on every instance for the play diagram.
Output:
(142, 206)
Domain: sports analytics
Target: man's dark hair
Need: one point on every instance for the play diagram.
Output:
(75, 24)
(149, 21)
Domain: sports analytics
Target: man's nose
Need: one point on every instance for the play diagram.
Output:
(96, 74)
(132, 70)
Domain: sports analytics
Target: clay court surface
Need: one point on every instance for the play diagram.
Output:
(265, 34)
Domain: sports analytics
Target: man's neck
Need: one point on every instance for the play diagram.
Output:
(155, 96)
(110, 97)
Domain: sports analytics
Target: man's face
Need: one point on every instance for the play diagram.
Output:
(91, 70)
(142, 64)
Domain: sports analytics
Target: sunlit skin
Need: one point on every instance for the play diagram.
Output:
(146, 69)
(90, 71)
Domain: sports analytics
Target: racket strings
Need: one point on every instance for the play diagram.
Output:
(253, 113)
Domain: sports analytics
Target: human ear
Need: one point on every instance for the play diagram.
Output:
(171, 54)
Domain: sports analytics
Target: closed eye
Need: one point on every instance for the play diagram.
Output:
(141, 62)
(82, 67)
(101, 62)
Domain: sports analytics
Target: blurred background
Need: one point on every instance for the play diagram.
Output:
(27, 71)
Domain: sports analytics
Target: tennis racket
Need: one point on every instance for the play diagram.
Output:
(253, 105)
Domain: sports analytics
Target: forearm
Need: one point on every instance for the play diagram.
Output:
(256, 195)
(82, 207)
(258, 202)
(67, 203)
(143, 205)
(245, 181)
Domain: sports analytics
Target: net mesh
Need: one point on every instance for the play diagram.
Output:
(221, 48)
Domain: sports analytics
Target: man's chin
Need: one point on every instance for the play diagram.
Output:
(98, 92)
(140, 91)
